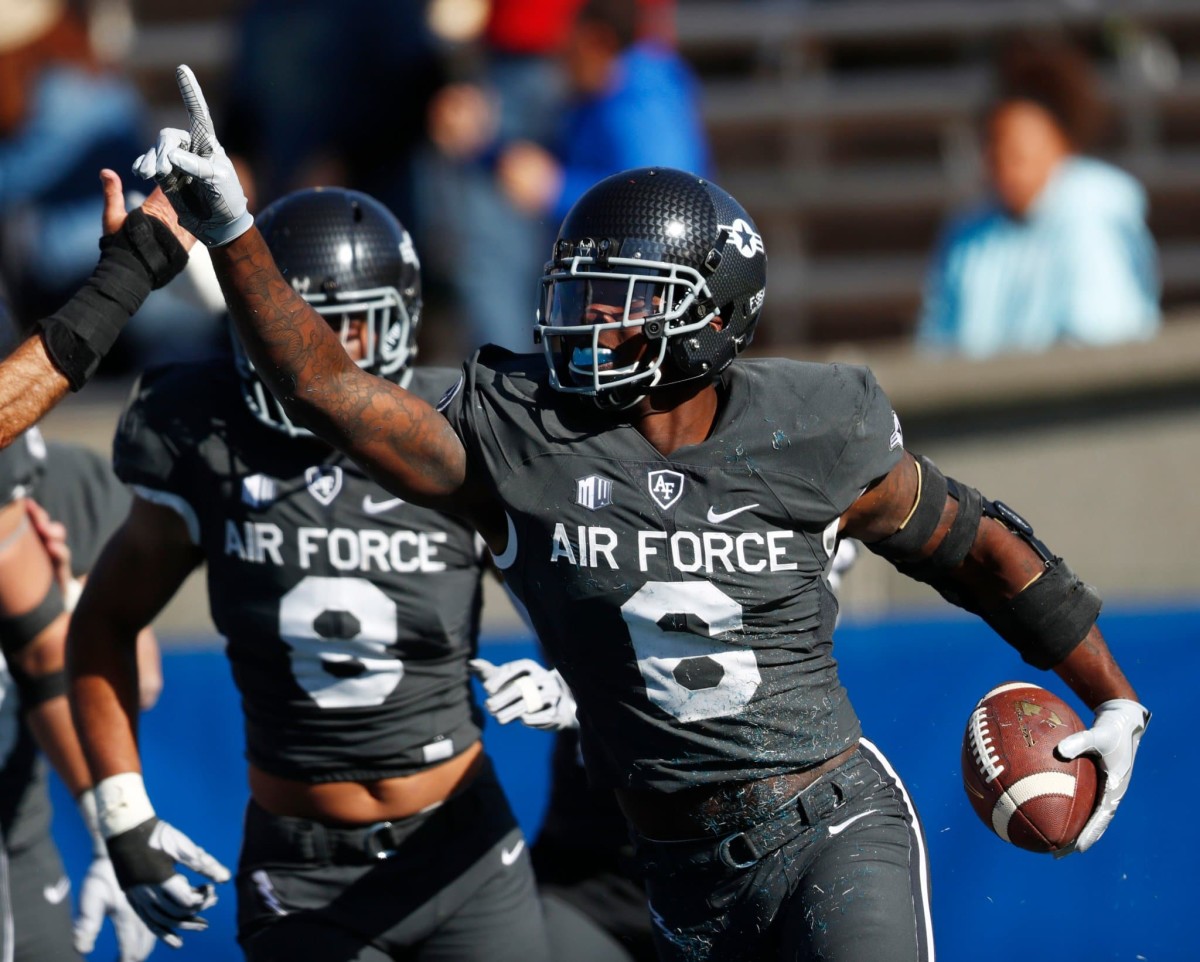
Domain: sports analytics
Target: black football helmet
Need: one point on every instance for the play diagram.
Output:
(347, 255)
(671, 251)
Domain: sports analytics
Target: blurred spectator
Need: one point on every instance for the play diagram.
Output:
(64, 115)
(543, 129)
(62, 118)
(635, 103)
(1060, 251)
(513, 92)
(331, 94)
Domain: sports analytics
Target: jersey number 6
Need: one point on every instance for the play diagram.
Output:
(687, 676)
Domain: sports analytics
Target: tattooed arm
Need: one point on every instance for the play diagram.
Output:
(405, 445)
(403, 442)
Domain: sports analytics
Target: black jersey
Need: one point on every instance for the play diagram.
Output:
(74, 484)
(684, 598)
(349, 614)
(79, 488)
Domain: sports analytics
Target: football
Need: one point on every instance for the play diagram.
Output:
(1017, 785)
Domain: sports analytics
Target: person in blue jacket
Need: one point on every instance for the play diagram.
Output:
(635, 103)
(1059, 251)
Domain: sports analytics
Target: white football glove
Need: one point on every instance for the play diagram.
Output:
(196, 174)
(1113, 739)
(525, 690)
(101, 896)
(145, 851)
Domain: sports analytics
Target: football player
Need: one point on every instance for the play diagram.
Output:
(592, 894)
(139, 252)
(79, 488)
(376, 828)
(668, 516)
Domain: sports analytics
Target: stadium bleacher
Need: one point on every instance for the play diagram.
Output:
(847, 128)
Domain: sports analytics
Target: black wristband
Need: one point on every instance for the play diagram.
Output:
(34, 690)
(140, 257)
(17, 631)
(135, 860)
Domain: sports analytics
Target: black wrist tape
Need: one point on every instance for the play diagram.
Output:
(151, 241)
(140, 257)
(1048, 619)
(956, 545)
(16, 631)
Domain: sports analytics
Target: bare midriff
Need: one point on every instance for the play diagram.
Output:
(363, 803)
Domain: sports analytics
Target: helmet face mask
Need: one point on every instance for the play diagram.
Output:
(348, 257)
(658, 251)
(378, 319)
(583, 300)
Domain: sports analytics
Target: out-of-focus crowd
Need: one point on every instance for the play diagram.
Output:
(478, 123)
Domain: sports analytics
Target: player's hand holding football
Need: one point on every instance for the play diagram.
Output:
(145, 853)
(196, 174)
(525, 690)
(1113, 739)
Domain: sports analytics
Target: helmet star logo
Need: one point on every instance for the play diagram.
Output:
(747, 240)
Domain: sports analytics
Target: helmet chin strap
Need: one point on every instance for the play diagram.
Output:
(616, 399)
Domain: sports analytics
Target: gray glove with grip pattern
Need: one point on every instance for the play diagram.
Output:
(196, 174)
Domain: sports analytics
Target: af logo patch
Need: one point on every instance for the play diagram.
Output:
(408, 253)
(324, 482)
(744, 237)
(593, 492)
(666, 487)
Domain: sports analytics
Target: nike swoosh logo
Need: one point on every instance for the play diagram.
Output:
(658, 920)
(715, 518)
(842, 826)
(371, 506)
(510, 855)
(58, 891)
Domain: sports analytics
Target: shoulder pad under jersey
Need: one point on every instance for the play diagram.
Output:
(170, 412)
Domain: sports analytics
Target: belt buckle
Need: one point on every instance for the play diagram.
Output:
(727, 857)
(822, 798)
(374, 843)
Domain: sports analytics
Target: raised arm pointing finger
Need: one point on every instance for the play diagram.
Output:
(204, 134)
(196, 174)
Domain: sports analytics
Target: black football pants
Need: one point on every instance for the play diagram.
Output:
(839, 874)
(454, 883)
